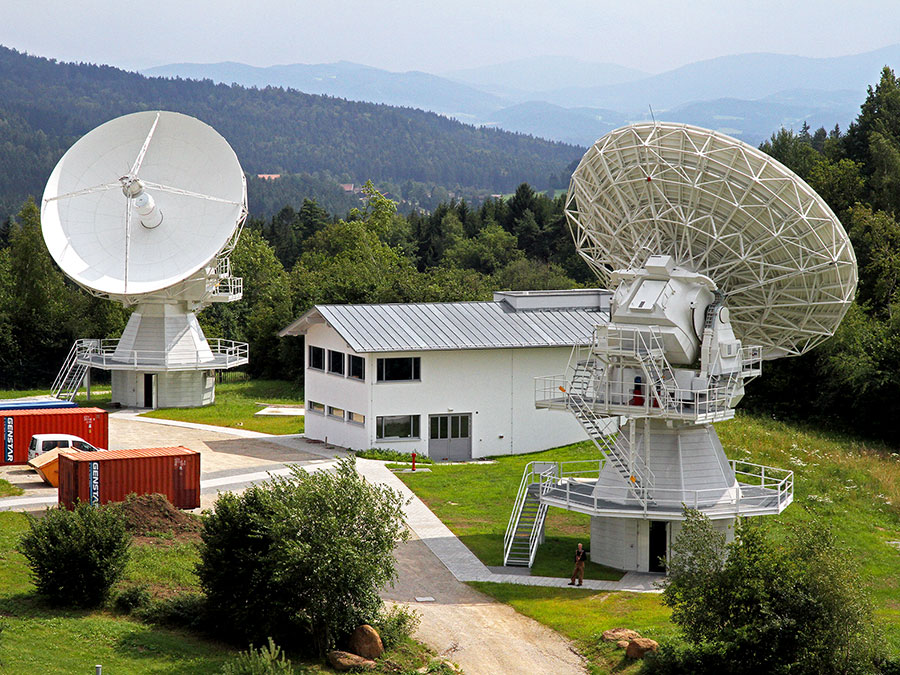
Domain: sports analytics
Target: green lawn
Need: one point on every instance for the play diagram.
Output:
(475, 501)
(852, 485)
(236, 403)
(39, 640)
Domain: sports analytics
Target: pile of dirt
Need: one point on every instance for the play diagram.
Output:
(145, 514)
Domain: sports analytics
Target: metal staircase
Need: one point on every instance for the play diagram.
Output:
(526, 523)
(630, 466)
(71, 375)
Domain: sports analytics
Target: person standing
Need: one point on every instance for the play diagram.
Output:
(580, 558)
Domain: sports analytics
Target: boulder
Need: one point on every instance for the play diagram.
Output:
(639, 646)
(346, 661)
(622, 644)
(366, 642)
(616, 634)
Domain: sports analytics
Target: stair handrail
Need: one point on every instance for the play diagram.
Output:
(517, 510)
(547, 480)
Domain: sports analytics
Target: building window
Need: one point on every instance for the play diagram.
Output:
(316, 358)
(356, 367)
(314, 407)
(335, 362)
(399, 369)
(397, 426)
(355, 418)
(336, 412)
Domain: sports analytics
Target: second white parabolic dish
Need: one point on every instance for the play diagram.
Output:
(93, 229)
(721, 208)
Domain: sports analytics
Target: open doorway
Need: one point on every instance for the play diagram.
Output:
(149, 390)
(659, 532)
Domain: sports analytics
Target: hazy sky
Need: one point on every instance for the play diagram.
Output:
(435, 35)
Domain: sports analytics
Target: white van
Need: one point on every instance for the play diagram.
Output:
(41, 443)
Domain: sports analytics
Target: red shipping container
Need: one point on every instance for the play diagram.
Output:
(111, 475)
(18, 426)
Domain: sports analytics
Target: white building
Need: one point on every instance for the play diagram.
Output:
(447, 380)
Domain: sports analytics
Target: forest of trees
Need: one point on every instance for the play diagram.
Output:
(304, 254)
(45, 106)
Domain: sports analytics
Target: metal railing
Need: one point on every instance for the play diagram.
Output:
(105, 354)
(759, 489)
(532, 474)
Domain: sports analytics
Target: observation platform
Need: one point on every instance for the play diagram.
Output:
(104, 354)
(696, 406)
(759, 490)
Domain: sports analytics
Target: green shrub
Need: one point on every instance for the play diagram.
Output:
(185, 610)
(267, 660)
(300, 558)
(766, 605)
(391, 456)
(132, 598)
(396, 623)
(76, 556)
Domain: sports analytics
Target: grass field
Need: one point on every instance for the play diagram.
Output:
(40, 640)
(236, 405)
(475, 501)
(850, 485)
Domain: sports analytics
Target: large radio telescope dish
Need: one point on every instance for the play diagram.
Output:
(142, 203)
(721, 208)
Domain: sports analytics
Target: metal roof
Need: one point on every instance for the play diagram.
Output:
(451, 325)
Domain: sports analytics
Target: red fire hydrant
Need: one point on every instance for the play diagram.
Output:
(414, 461)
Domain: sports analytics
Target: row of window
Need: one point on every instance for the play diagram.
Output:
(337, 413)
(392, 426)
(338, 363)
(391, 369)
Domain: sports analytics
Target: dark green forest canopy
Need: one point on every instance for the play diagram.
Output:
(45, 106)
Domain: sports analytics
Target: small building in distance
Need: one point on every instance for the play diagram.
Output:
(452, 381)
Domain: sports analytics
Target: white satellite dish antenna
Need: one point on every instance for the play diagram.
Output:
(144, 209)
(721, 208)
(719, 257)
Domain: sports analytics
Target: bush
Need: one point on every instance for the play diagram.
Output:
(185, 610)
(76, 556)
(391, 456)
(263, 661)
(300, 558)
(396, 624)
(761, 605)
(132, 598)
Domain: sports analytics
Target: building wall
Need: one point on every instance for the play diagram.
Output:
(624, 543)
(496, 386)
(179, 389)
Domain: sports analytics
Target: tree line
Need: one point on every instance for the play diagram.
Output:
(45, 106)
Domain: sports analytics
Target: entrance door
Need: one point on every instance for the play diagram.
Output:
(148, 390)
(658, 541)
(450, 437)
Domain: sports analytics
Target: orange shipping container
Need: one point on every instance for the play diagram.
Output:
(18, 426)
(111, 475)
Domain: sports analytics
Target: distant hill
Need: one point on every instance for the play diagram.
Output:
(544, 73)
(347, 80)
(743, 76)
(45, 106)
(747, 95)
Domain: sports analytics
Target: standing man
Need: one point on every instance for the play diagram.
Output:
(580, 556)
